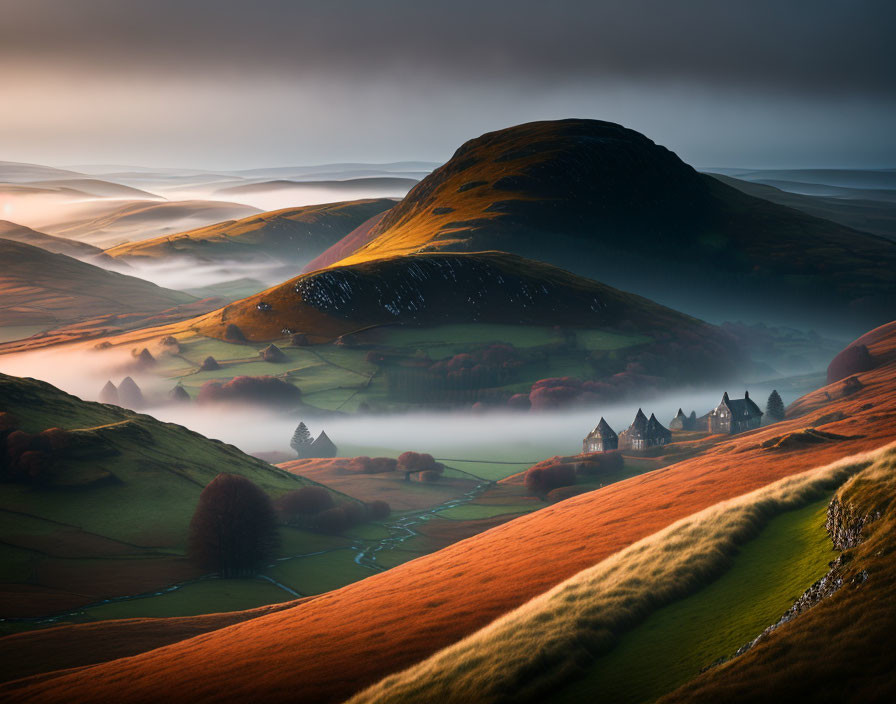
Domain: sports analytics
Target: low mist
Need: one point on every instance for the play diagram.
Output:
(192, 275)
(508, 436)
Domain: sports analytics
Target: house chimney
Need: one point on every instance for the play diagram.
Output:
(746, 394)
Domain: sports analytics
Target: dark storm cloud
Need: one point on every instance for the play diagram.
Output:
(813, 48)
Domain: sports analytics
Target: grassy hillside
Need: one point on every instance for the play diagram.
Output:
(109, 222)
(111, 518)
(433, 289)
(866, 214)
(606, 202)
(354, 240)
(596, 624)
(843, 648)
(294, 235)
(40, 287)
(19, 233)
(393, 620)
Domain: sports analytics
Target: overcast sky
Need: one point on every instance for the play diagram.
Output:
(226, 84)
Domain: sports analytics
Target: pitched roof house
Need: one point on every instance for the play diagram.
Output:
(644, 433)
(735, 415)
(601, 439)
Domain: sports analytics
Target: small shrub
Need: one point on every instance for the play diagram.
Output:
(378, 510)
(416, 461)
(853, 360)
(307, 501)
(601, 463)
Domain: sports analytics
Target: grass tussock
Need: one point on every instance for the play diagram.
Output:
(525, 654)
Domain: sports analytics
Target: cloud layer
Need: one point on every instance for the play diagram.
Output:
(323, 81)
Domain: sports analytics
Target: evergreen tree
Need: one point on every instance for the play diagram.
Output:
(774, 409)
(301, 439)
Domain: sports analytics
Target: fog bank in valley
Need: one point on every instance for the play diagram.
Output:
(509, 436)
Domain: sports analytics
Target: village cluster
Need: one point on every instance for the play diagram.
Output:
(730, 416)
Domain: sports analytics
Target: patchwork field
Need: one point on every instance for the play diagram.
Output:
(496, 571)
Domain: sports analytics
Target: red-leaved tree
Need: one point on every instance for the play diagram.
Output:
(234, 529)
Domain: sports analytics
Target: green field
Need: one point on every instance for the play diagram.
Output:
(676, 642)
(203, 597)
(335, 377)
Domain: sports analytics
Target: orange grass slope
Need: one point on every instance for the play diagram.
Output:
(844, 647)
(339, 643)
(63, 647)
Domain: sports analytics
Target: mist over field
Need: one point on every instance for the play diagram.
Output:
(525, 437)
(190, 274)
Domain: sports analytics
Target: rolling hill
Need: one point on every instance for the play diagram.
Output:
(332, 646)
(109, 222)
(348, 244)
(866, 214)
(433, 289)
(385, 184)
(43, 288)
(20, 172)
(95, 187)
(606, 202)
(290, 235)
(14, 232)
(109, 515)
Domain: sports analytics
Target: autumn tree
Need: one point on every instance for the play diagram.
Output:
(234, 529)
(774, 409)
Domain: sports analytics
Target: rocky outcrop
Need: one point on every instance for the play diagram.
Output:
(844, 523)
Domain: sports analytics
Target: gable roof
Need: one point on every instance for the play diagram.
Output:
(741, 407)
(603, 431)
(654, 427)
(322, 442)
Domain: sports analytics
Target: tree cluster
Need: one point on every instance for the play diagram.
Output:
(543, 478)
(259, 390)
(30, 458)
(314, 507)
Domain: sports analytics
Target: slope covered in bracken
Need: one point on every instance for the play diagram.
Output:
(331, 647)
(606, 202)
(293, 235)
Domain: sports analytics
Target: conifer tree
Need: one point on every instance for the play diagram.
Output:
(301, 439)
(774, 409)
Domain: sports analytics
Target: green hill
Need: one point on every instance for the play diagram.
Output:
(109, 516)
